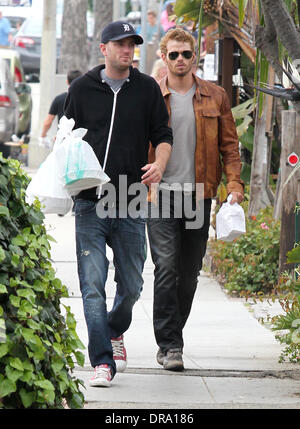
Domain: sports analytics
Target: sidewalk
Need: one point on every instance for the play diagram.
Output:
(231, 360)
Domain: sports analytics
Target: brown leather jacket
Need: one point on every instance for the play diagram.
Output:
(217, 141)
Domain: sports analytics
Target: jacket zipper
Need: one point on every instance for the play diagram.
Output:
(109, 135)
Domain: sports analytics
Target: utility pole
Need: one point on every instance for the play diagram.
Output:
(116, 10)
(290, 189)
(36, 153)
(143, 47)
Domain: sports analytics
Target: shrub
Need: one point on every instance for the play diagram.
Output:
(288, 290)
(38, 345)
(249, 263)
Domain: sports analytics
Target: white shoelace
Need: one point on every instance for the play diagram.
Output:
(118, 347)
(102, 372)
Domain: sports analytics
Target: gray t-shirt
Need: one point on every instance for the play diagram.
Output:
(180, 170)
(115, 84)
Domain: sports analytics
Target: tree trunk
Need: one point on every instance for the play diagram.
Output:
(74, 47)
(259, 196)
(103, 15)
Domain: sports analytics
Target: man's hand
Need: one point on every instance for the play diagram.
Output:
(154, 173)
(237, 197)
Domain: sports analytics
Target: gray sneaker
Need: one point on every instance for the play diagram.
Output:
(173, 360)
(160, 356)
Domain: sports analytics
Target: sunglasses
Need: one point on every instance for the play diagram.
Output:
(186, 54)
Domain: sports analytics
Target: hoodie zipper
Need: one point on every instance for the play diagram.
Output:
(109, 135)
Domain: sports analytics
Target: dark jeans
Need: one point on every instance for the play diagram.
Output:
(126, 237)
(177, 254)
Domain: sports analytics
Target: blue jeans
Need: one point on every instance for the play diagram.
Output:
(126, 237)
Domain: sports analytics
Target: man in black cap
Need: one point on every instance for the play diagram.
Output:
(123, 110)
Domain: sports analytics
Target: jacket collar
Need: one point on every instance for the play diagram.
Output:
(201, 86)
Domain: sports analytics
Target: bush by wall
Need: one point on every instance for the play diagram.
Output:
(38, 344)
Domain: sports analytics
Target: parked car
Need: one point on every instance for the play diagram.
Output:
(22, 88)
(9, 107)
(16, 16)
(27, 42)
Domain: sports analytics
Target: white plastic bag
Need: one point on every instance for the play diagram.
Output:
(78, 164)
(48, 187)
(230, 221)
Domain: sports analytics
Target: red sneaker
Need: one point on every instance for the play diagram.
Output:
(102, 376)
(119, 353)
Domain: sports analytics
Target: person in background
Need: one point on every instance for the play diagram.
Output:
(165, 20)
(159, 69)
(5, 31)
(153, 29)
(57, 110)
(57, 105)
(205, 141)
(136, 62)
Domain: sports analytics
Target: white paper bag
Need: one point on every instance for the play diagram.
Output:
(230, 221)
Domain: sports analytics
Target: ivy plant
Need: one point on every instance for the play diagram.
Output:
(39, 346)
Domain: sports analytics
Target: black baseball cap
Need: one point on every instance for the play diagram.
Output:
(118, 30)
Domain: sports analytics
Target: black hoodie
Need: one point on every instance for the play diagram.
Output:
(140, 117)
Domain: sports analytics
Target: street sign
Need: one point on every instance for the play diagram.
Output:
(293, 159)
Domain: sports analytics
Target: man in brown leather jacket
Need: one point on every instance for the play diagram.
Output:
(205, 144)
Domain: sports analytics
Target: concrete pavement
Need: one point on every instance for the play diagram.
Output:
(231, 359)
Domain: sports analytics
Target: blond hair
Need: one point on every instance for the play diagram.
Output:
(179, 35)
(158, 66)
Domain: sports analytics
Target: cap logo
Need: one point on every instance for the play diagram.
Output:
(126, 27)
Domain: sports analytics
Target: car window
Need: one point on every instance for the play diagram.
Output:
(15, 21)
(33, 27)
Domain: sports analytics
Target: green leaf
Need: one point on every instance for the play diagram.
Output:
(242, 11)
(293, 256)
(39, 286)
(76, 401)
(28, 365)
(34, 325)
(57, 364)
(16, 363)
(13, 374)
(3, 350)
(182, 7)
(27, 398)
(25, 293)
(4, 211)
(3, 289)
(79, 358)
(27, 377)
(44, 384)
(15, 259)
(7, 387)
(3, 181)
(2, 254)
(18, 241)
(37, 229)
(15, 300)
(50, 238)
(32, 254)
